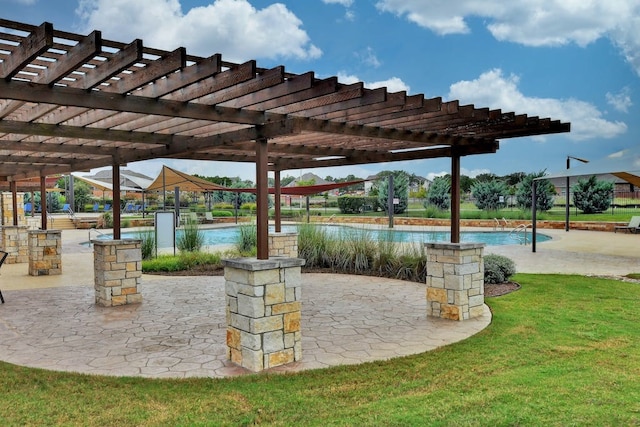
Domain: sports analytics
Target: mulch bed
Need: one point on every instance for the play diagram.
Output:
(490, 290)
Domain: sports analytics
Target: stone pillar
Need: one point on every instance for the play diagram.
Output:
(45, 252)
(6, 209)
(15, 241)
(283, 244)
(455, 280)
(263, 311)
(118, 271)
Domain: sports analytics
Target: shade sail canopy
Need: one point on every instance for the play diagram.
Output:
(623, 164)
(102, 185)
(169, 178)
(71, 102)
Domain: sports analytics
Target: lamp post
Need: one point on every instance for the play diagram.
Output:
(568, 201)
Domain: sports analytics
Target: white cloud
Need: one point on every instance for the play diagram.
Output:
(471, 173)
(494, 90)
(345, 3)
(231, 27)
(621, 101)
(532, 22)
(369, 57)
(393, 84)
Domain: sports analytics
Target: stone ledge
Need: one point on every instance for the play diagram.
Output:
(254, 264)
(456, 246)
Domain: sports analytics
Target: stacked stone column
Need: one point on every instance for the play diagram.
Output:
(45, 252)
(263, 311)
(6, 208)
(283, 244)
(15, 241)
(455, 280)
(118, 272)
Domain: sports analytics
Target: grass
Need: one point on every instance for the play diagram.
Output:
(564, 350)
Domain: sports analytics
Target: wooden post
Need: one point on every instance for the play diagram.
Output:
(14, 201)
(455, 197)
(115, 177)
(277, 196)
(43, 202)
(262, 196)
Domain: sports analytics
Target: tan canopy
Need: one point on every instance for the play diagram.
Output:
(169, 178)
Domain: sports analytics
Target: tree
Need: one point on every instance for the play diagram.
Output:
(81, 194)
(400, 192)
(544, 192)
(439, 194)
(465, 183)
(489, 195)
(592, 195)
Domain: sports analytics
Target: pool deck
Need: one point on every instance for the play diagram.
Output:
(178, 331)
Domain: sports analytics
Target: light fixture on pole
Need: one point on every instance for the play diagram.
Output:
(568, 200)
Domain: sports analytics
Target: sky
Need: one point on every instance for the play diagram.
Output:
(573, 60)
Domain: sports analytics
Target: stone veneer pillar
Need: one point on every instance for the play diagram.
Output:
(263, 311)
(6, 208)
(283, 244)
(15, 242)
(45, 252)
(455, 280)
(118, 271)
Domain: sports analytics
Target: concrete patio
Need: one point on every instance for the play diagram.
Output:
(178, 331)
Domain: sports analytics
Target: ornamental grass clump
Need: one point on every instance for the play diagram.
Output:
(191, 239)
(498, 269)
(147, 244)
(247, 239)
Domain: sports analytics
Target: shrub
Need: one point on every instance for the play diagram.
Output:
(400, 192)
(498, 269)
(249, 206)
(105, 220)
(592, 195)
(223, 206)
(544, 192)
(357, 204)
(439, 195)
(221, 213)
(488, 194)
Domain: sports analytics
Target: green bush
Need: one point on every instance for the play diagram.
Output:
(223, 206)
(592, 195)
(183, 261)
(498, 269)
(249, 206)
(221, 213)
(357, 204)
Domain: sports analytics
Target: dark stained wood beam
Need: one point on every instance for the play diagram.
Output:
(114, 65)
(171, 62)
(33, 45)
(76, 56)
(72, 97)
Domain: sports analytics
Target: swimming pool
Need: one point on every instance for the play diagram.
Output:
(230, 235)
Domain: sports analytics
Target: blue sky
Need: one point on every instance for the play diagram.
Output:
(577, 61)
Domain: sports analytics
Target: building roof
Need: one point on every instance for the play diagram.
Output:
(71, 102)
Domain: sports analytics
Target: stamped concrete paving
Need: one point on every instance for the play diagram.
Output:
(179, 330)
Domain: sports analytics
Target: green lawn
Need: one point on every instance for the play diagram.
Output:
(564, 350)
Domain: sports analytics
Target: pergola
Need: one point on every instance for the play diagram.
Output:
(71, 102)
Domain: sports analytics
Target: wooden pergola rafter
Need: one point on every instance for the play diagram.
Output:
(73, 102)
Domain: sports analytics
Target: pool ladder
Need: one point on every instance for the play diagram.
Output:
(97, 232)
(520, 233)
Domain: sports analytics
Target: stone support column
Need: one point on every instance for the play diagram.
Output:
(263, 311)
(45, 252)
(15, 241)
(283, 244)
(6, 209)
(118, 271)
(455, 280)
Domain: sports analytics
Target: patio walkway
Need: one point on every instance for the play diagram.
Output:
(179, 330)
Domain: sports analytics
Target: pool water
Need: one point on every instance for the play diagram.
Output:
(230, 235)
